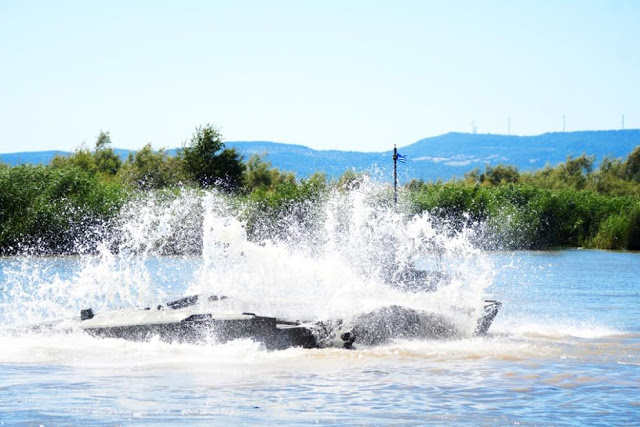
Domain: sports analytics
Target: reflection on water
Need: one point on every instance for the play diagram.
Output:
(565, 349)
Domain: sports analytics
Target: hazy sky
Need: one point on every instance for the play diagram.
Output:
(350, 75)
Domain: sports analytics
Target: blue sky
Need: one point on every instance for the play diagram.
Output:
(349, 75)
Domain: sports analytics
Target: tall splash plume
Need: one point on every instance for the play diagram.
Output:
(334, 257)
(345, 254)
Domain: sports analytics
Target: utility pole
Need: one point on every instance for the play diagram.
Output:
(623, 122)
(395, 176)
(564, 122)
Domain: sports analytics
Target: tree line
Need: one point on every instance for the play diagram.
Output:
(69, 204)
(571, 204)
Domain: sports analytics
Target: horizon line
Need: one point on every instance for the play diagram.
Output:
(355, 151)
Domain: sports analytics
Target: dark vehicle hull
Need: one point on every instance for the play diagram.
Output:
(190, 321)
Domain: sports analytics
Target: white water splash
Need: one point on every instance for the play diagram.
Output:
(334, 268)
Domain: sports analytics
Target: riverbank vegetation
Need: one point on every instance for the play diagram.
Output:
(567, 205)
(70, 204)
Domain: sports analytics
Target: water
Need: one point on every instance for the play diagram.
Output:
(565, 348)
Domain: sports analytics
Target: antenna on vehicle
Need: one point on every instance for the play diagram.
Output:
(397, 157)
(395, 176)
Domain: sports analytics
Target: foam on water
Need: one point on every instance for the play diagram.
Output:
(577, 329)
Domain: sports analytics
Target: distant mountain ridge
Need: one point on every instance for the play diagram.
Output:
(441, 157)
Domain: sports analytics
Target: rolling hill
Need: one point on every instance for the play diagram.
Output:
(443, 156)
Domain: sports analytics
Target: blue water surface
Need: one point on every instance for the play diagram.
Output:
(564, 350)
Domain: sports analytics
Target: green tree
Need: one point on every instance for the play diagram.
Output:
(102, 160)
(149, 169)
(103, 140)
(473, 177)
(574, 173)
(575, 170)
(82, 158)
(209, 163)
(106, 160)
(632, 165)
(498, 175)
(260, 174)
(46, 209)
